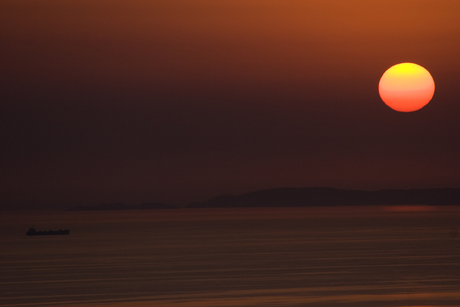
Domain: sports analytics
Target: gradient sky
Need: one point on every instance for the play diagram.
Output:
(179, 101)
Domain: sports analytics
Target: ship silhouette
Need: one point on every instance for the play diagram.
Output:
(33, 232)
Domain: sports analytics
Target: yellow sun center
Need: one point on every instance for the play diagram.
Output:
(406, 87)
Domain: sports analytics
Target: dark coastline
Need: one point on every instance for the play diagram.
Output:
(283, 197)
(121, 206)
(319, 196)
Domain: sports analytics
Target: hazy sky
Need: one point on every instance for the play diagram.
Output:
(179, 101)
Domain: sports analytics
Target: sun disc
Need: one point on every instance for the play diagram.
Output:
(406, 87)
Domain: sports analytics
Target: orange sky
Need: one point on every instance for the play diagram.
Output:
(178, 101)
(225, 39)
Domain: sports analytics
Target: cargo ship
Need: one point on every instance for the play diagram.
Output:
(33, 232)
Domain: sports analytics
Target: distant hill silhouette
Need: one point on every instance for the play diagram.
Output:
(319, 196)
(121, 206)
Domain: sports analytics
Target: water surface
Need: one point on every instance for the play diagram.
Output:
(339, 256)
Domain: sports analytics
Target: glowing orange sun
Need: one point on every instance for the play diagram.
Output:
(406, 87)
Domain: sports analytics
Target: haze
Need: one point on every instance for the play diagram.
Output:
(180, 101)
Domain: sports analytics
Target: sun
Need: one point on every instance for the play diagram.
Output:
(406, 87)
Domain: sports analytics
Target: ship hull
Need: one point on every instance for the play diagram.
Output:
(33, 232)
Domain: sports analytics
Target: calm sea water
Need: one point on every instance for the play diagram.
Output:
(352, 256)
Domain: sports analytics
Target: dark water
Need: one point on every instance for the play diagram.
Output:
(354, 256)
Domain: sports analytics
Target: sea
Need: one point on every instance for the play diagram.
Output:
(318, 256)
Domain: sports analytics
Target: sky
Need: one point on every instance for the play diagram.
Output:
(178, 101)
